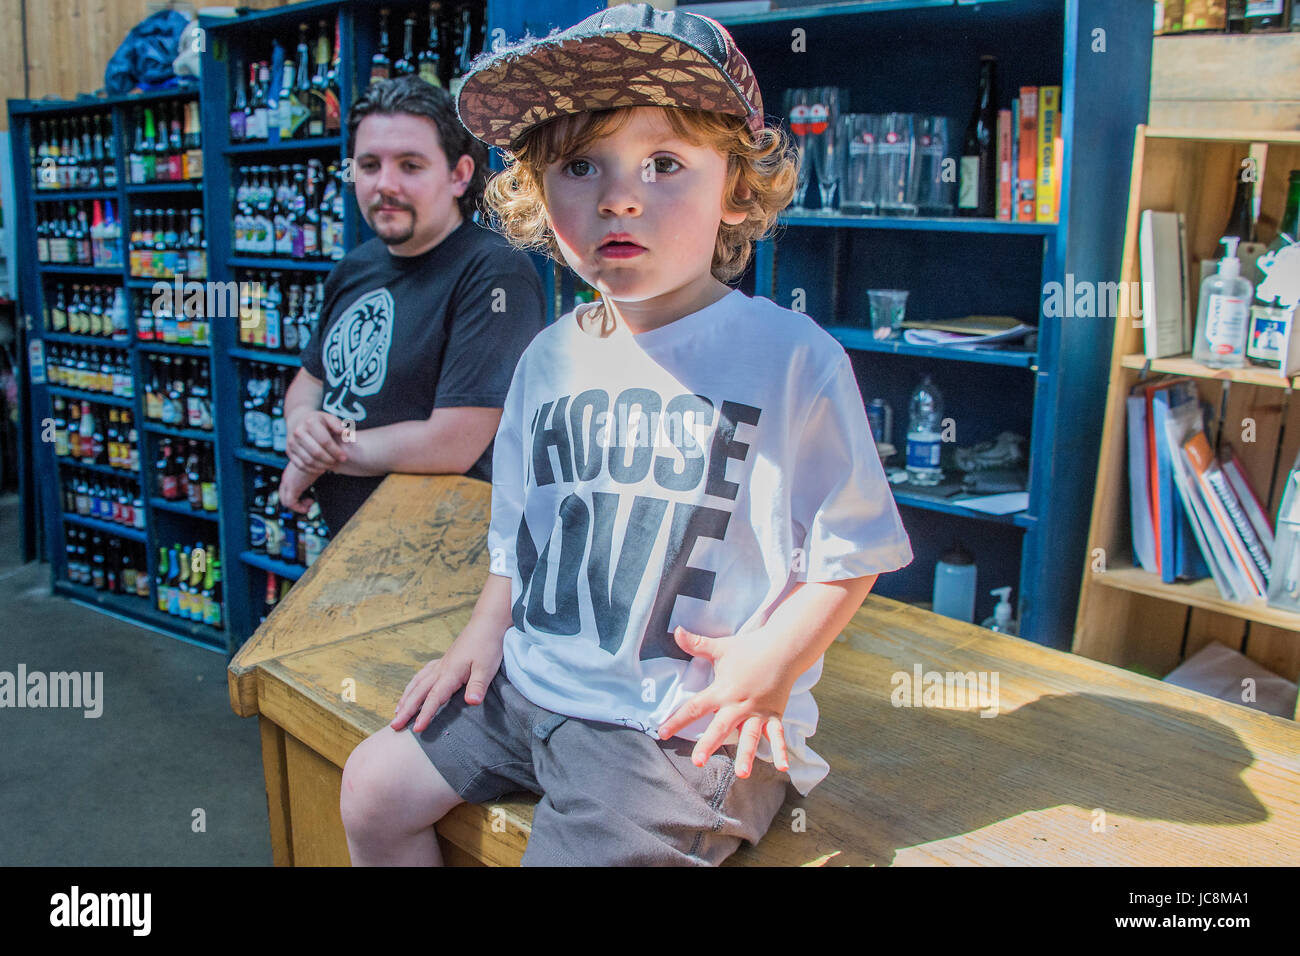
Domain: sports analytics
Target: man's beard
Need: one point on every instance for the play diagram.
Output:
(395, 239)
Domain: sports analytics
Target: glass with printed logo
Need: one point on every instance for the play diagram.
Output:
(824, 141)
(797, 107)
(932, 194)
(859, 170)
(895, 149)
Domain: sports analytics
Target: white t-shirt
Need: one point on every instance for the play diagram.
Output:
(691, 475)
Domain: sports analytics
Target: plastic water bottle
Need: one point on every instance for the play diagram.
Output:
(923, 440)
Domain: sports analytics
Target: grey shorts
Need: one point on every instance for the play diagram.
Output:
(611, 795)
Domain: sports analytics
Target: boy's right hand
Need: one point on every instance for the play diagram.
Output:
(471, 662)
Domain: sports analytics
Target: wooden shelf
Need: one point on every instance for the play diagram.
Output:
(1185, 365)
(1225, 135)
(1128, 616)
(1203, 594)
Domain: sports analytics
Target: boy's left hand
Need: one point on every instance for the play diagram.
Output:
(750, 690)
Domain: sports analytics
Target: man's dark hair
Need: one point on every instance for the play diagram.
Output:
(412, 95)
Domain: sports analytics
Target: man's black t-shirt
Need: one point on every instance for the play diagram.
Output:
(399, 336)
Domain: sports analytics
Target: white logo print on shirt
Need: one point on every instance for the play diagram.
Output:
(355, 354)
(662, 527)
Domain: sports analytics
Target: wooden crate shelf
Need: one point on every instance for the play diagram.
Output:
(1127, 616)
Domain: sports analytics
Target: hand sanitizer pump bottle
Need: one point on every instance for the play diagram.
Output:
(1001, 619)
(1223, 316)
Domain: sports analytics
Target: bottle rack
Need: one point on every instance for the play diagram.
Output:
(249, 38)
(38, 282)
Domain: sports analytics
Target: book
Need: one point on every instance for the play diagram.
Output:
(1015, 156)
(1250, 502)
(1175, 425)
(1232, 525)
(1162, 259)
(1049, 142)
(1178, 554)
(1027, 167)
(1004, 165)
(1139, 486)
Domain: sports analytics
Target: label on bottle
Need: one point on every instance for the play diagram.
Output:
(273, 538)
(923, 450)
(279, 435)
(256, 532)
(311, 546)
(257, 428)
(211, 611)
(968, 193)
(209, 495)
(1225, 324)
(272, 331)
(283, 239)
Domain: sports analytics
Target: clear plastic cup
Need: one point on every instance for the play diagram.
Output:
(888, 307)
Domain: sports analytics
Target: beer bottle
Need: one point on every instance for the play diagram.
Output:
(380, 63)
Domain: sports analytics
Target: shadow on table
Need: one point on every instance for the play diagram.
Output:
(922, 774)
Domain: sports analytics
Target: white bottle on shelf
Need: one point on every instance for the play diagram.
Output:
(1223, 316)
(1001, 620)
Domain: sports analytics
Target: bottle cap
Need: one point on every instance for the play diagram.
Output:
(957, 555)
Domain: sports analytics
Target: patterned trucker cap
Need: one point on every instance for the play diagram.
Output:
(627, 55)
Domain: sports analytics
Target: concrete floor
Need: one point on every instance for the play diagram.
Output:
(122, 789)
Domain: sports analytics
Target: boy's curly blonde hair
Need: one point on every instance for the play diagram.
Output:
(765, 163)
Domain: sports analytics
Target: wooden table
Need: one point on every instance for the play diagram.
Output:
(1083, 763)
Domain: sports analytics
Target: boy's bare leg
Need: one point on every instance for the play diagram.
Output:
(391, 797)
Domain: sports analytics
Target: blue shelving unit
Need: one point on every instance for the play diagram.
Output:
(922, 56)
(896, 55)
(248, 38)
(161, 525)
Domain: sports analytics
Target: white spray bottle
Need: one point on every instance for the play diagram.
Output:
(1001, 619)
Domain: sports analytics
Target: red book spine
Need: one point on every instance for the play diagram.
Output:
(1004, 165)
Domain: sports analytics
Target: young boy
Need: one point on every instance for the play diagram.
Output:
(687, 505)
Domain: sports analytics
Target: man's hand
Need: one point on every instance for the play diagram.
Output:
(316, 442)
(750, 690)
(293, 482)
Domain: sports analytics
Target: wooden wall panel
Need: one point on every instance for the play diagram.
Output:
(1220, 81)
(69, 42)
